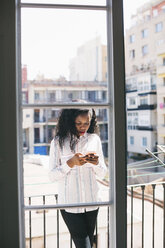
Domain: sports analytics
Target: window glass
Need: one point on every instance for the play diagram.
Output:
(132, 101)
(132, 54)
(132, 38)
(39, 129)
(155, 12)
(144, 141)
(164, 81)
(64, 62)
(131, 140)
(159, 27)
(163, 61)
(143, 101)
(145, 50)
(163, 8)
(144, 33)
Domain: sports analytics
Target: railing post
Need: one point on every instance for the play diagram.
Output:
(143, 188)
(44, 222)
(56, 197)
(131, 217)
(164, 215)
(153, 220)
(30, 226)
(70, 241)
(108, 227)
(96, 232)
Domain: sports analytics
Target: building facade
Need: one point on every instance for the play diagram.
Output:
(141, 113)
(144, 54)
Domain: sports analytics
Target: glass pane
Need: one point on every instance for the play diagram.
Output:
(78, 2)
(64, 59)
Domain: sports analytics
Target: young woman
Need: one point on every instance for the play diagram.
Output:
(76, 158)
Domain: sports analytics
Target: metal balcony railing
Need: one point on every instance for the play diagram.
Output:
(136, 194)
(44, 210)
(146, 202)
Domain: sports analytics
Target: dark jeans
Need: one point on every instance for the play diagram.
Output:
(81, 227)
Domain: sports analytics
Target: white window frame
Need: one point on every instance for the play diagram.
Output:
(117, 136)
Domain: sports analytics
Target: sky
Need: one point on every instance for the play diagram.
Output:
(50, 37)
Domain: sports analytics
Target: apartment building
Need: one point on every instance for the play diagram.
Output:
(144, 49)
(161, 91)
(141, 113)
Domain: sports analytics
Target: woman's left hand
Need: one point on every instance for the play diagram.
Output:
(92, 158)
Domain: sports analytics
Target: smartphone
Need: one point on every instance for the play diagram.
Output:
(91, 154)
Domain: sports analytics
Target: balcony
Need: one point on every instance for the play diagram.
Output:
(145, 220)
(145, 90)
(131, 88)
(40, 100)
(53, 119)
(147, 107)
(40, 142)
(146, 128)
(45, 226)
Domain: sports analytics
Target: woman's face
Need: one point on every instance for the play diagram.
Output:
(82, 123)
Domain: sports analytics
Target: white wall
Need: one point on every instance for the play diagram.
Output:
(137, 147)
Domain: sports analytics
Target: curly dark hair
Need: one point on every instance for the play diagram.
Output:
(66, 125)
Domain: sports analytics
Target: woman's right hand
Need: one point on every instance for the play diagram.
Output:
(77, 159)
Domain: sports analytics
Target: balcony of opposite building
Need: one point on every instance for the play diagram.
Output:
(146, 128)
(147, 106)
